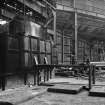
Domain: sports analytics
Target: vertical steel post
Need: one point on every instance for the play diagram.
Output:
(5, 63)
(55, 37)
(76, 31)
(24, 13)
(94, 73)
(35, 76)
(25, 78)
(3, 82)
(63, 47)
(47, 74)
(38, 76)
(35, 62)
(44, 75)
(90, 77)
(50, 73)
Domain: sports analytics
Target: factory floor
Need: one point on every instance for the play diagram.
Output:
(38, 95)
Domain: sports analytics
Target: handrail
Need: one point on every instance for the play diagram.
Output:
(40, 66)
(35, 69)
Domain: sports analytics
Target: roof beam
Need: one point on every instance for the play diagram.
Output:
(49, 4)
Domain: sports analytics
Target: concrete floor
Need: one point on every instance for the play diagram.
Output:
(48, 98)
(82, 98)
(65, 99)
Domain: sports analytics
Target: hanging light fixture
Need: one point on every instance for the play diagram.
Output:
(2, 22)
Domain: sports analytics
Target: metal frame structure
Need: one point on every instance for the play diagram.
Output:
(25, 49)
(73, 20)
(88, 22)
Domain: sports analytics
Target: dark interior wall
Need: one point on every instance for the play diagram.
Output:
(18, 50)
(2, 54)
(90, 49)
(22, 42)
(16, 55)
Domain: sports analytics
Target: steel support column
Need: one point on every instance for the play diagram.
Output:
(76, 40)
(63, 47)
(76, 32)
(55, 38)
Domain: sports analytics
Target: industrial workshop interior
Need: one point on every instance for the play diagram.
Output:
(45, 39)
